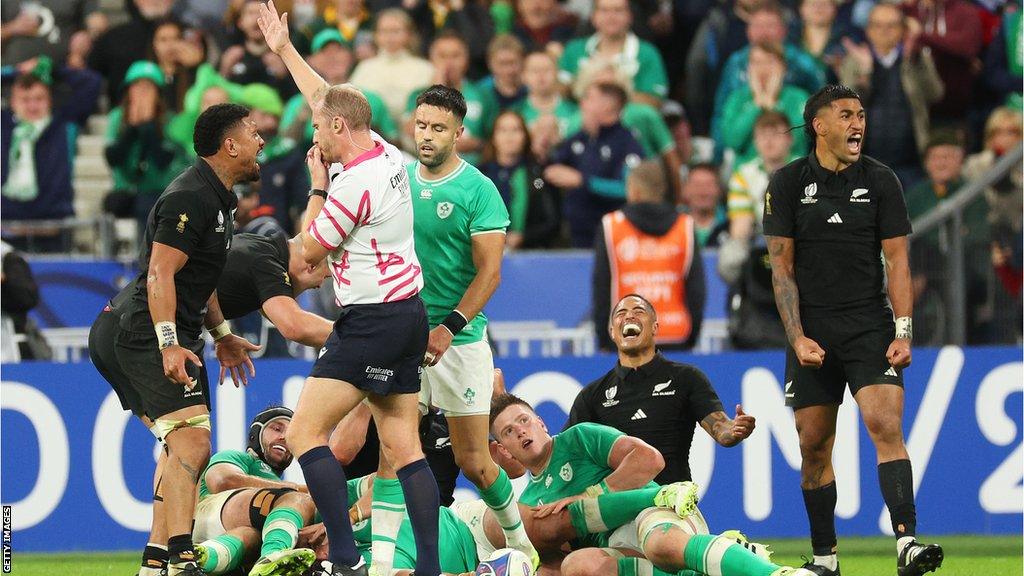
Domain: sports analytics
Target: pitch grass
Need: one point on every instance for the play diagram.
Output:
(965, 556)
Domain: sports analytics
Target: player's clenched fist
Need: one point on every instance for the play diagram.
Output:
(899, 353)
(808, 352)
(438, 342)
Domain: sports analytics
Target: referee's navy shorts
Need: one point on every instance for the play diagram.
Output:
(855, 346)
(377, 348)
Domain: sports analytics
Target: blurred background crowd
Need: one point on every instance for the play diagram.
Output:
(565, 98)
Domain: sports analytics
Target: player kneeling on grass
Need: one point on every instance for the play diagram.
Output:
(245, 507)
(590, 459)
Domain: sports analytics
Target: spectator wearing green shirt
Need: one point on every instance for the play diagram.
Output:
(332, 58)
(208, 89)
(141, 160)
(504, 88)
(533, 205)
(767, 24)
(767, 90)
(544, 96)
(450, 56)
(614, 42)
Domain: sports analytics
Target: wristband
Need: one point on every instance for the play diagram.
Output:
(221, 330)
(904, 328)
(166, 334)
(455, 322)
(597, 490)
(317, 192)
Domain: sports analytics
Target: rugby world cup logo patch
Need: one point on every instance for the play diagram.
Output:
(809, 191)
(609, 396)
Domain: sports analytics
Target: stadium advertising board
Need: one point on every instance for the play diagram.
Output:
(78, 470)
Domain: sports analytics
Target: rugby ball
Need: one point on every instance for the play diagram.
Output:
(506, 562)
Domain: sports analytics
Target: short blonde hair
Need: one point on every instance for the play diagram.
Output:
(348, 102)
(1000, 116)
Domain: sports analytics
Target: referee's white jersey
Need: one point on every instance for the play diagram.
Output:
(367, 225)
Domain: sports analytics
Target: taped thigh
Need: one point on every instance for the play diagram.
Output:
(262, 503)
(162, 426)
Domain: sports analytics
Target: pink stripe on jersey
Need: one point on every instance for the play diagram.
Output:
(335, 223)
(358, 217)
(384, 281)
(377, 150)
(406, 296)
(403, 284)
(316, 236)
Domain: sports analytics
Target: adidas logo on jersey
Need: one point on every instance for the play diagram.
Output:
(891, 372)
(639, 415)
(835, 219)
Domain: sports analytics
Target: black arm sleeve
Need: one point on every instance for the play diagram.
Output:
(601, 291)
(696, 293)
(893, 220)
(701, 398)
(20, 292)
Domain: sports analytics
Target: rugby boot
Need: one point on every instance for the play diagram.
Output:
(916, 559)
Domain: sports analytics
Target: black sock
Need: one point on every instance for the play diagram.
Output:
(421, 503)
(154, 557)
(896, 479)
(180, 549)
(326, 481)
(821, 512)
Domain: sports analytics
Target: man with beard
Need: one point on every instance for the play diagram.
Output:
(244, 505)
(460, 238)
(149, 346)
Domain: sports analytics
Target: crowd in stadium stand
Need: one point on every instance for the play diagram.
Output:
(564, 98)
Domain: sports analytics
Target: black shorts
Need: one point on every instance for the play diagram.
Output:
(133, 366)
(377, 348)
(855, 346)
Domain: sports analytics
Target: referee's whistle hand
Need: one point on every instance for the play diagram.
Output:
(174, 358)
(808, 352)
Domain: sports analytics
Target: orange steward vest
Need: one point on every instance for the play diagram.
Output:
(654, 267)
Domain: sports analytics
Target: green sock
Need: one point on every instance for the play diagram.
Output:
(501, 500)
(388, 512)
(720, 556)
(644, 567)
(609, 511)
(281, 530)
(224, 553)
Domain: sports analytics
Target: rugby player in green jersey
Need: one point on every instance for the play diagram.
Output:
(460, 221)
(589, 459)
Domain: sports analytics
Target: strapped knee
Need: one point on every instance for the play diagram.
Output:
(262, 503)
(162, 427)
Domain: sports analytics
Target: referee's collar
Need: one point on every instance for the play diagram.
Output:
(644, 369)
(206, 173)
(850, 172)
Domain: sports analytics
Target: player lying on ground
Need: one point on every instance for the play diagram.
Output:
(588, 459)
(245, 507)
(465, 543)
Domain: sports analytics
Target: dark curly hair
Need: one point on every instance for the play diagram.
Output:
(821, 99)
(441, 96)
(214, 124)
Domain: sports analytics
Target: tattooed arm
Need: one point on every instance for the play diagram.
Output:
(728, 432)
(787, 299)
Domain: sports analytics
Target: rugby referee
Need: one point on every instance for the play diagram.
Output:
(151, 357)
(827, 218)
